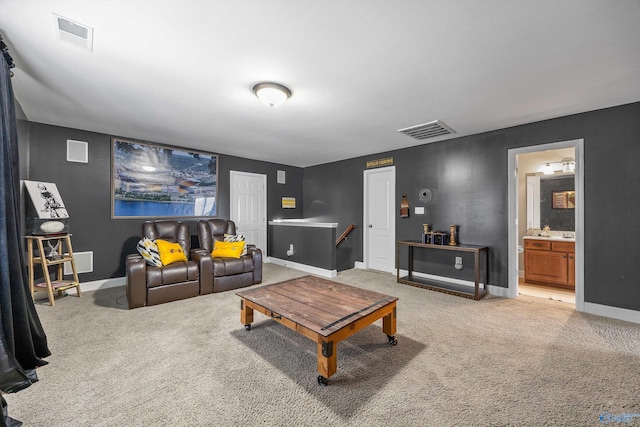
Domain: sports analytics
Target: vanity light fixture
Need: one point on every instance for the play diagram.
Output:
(271, 94)
(568, 165)
(547, 170)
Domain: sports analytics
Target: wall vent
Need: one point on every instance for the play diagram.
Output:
(77, 151)
(84, 263)
(73, 32)
(427, 130)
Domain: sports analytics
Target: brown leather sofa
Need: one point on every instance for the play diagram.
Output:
(150, 285)
(228, 273)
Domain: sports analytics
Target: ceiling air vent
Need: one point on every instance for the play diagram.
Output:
(427, 130)
(73, 32)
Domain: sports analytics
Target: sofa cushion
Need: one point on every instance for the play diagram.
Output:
(171, 274)
(170, 252)
(236, 238)
(231, 266)
(149, 251)
(227, 249)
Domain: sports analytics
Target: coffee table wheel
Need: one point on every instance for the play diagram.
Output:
(247, 327)
(322, 380)
(392, 340)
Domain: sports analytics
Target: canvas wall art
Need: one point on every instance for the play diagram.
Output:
(156, 181)
(46, 199)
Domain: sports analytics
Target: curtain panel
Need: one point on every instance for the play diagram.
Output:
(23, 341)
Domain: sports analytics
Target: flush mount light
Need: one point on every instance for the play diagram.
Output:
(271, 94)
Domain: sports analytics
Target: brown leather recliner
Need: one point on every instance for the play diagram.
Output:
(150, 285)
(229, 273)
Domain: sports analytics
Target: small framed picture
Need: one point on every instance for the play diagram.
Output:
(288, 203)
(563, 200)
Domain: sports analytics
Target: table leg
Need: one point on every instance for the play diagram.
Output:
(31, 272)
(246, 315)
(476, 265)
(327, 360)
(389, 326)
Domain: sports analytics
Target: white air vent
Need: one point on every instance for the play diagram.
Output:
(77, 151)
(73, 32)
(84, 263)
(427, 130)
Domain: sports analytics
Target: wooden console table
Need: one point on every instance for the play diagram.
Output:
(440, 285)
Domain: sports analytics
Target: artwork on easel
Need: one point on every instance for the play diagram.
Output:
(46, 199)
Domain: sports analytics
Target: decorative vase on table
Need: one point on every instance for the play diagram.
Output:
(453, 235)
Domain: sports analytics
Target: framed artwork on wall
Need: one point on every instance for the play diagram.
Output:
(563, 200)
(156, 181)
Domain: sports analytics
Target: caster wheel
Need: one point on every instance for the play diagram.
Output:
(322, 380)
(392, 340)
(247, 327)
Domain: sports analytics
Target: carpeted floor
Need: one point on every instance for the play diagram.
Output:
(458, 362)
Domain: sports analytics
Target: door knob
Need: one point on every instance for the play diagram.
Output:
(370, 225)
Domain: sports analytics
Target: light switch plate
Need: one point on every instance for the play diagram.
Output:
(419, 210)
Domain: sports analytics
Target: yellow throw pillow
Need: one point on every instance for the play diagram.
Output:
(227, 249)
(170, 252)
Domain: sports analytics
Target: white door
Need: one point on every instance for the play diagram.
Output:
(380, 219)
(249, 207)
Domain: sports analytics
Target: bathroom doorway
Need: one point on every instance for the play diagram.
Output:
(529, 212)
(541, 174)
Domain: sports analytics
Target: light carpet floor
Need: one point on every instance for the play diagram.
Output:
(458, 362)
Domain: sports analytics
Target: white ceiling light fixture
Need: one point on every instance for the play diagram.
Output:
(548, 170)
(271, 94)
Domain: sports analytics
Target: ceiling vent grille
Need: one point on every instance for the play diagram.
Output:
(73, 32)
(427, 130)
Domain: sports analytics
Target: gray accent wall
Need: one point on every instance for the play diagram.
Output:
(311, 245)
(468, 177)
(469, 180)
(86, 191)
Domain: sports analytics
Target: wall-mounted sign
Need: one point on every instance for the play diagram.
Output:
(380, 162)
(288, 203)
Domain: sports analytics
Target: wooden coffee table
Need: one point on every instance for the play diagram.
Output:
(322, 310)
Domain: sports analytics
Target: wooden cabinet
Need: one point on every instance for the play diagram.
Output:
(549, 262)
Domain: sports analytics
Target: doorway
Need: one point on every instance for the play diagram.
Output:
(249, 207)
(515, 231)
(379, 219)
(541, 174)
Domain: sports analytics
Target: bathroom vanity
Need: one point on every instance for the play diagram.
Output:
(550, 261)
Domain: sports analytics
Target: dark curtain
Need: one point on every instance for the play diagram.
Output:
(24, 342)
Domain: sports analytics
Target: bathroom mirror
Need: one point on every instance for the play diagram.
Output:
(551, 201)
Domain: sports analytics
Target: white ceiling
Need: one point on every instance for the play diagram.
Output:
(181, 72)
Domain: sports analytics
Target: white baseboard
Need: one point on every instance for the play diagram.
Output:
(447, 279)
(613, 312)
(99, 284)
(330, 274)
(360, 265)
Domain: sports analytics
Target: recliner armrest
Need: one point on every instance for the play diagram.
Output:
(136, 268)
(256, 254)
(205, 265)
